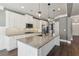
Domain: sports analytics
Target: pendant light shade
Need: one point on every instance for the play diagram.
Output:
(39, 12)
(48, 18)
(48, 11)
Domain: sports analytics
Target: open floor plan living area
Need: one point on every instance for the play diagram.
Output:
(39, 29)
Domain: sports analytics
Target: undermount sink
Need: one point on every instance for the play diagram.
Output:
(39, 35)
(28, 32)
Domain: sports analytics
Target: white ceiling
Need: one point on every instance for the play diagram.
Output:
(33, 8)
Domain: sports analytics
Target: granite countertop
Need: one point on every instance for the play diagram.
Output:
(37, 41)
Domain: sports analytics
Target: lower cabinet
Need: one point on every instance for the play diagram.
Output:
(2, 42)
(44, 50)
(11, 43)
(26, 50)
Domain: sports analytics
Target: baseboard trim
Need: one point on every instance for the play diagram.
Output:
(66, 41)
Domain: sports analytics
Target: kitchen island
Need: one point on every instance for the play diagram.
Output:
(37, 45)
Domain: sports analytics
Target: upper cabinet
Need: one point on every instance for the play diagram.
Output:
(9, 19)
(29, 19)
(14, 19)
(19, 21)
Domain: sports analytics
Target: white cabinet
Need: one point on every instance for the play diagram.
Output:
(2, 38)
(10, 43)
(44, 50)
(29, 19)
(14, 19)
(36, 23)
(26, 50)
(19, 21)
(2, 44)
(9, 19)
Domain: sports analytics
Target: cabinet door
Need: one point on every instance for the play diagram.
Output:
(29, 19)
(44, 50)
(14, 19)
(11, 43)
(9, 19)
(26, 50)
(22, 21)
(19, 21)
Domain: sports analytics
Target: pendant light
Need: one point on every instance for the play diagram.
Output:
(48, 18)
(39, 12)
(53, 16)
(48, 12)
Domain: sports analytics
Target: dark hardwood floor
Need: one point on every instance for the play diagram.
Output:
(63, 50)
(10, 53)
(66, 49)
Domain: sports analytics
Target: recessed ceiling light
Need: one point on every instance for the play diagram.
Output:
(59, 9)
(22, 7)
